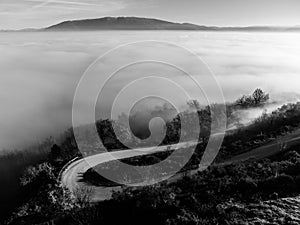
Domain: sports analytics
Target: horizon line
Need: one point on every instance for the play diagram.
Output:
(296, 26)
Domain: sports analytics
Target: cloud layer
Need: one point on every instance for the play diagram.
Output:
(40, 71)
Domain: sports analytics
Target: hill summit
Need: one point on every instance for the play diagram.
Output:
(123, 23)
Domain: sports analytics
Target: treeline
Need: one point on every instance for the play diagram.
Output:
(262, 130)
(115, 135)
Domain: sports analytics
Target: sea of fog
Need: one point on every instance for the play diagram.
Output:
(40, 71)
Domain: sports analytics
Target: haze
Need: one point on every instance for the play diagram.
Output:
(40, 72)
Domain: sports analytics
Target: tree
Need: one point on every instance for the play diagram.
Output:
(259, 97)
(244, 101)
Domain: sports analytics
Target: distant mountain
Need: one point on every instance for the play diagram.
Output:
(136, 23)
(124, 23)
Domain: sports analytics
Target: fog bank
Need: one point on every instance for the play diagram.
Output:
(40, 71)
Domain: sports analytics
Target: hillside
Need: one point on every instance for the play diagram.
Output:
(261, 190)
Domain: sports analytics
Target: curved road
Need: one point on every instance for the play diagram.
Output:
(71, 175)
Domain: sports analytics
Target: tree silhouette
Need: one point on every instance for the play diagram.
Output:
(259, 97)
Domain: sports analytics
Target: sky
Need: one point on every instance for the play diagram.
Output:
(18, 14)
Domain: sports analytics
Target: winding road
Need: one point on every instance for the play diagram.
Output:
(70, 176)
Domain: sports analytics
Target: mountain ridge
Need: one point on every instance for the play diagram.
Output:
(123, 23)
(142, 23)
